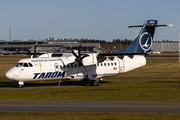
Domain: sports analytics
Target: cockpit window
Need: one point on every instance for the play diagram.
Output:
(30, 65)
(19, 64)
(25, 65)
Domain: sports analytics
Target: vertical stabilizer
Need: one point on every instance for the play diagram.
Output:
(143, 41)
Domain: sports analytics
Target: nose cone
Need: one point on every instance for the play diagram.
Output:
(9, 75)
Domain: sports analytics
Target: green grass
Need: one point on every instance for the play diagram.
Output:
(87, 116)
(158, 81)
(124, 90)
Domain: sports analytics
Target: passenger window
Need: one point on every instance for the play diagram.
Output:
(101, 64)
(25, 65)
(111, 64)
(108, 64)
(67, 66)
(98, 64)
(30, 65)
(71, 65)
(115, 63)
(64, 66)
(104, 64)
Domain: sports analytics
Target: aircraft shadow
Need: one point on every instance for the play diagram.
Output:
(48, 84)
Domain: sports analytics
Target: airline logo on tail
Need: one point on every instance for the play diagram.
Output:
(145, 44)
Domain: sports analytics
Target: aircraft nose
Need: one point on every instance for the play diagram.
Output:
(9, 75)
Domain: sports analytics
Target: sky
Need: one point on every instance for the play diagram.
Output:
(92, 19)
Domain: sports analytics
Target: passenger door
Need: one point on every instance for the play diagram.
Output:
(56, 66)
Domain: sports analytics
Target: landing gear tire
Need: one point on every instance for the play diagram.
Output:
(94, 83)
(20, 86)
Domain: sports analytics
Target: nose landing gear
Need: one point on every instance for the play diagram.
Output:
(20, 84)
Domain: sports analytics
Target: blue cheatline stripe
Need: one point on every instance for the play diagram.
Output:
(62, 62)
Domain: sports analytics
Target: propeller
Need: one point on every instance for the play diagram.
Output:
(79, 57)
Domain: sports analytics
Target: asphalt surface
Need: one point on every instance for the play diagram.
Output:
(127, 107)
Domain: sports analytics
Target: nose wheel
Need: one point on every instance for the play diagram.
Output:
(20, 84)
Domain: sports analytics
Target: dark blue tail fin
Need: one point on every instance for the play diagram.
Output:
(143, 42)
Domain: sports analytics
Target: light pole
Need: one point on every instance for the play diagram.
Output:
(179, 46)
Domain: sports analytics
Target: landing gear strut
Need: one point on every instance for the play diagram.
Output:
(20, 84)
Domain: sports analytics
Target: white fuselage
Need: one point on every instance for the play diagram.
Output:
(64, 68)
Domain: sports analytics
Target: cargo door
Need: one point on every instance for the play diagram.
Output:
(121, 66)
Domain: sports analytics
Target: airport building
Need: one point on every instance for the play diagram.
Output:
(172, 47)
(64, 46)
(47, 46)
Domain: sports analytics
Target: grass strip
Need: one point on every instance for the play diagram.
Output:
(87, 116)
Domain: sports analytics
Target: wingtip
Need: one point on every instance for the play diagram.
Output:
(169, 25)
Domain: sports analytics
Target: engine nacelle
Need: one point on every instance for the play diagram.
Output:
(90, 60)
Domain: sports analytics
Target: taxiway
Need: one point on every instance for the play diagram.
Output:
(140, 107)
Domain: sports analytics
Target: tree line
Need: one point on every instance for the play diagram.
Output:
(115, 44)
(86, 40)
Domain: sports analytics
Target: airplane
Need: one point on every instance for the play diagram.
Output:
(2, 52)
(77, 66)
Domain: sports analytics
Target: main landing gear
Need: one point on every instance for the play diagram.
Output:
(94, 82)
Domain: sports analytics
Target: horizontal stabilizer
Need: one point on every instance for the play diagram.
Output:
(151, 25)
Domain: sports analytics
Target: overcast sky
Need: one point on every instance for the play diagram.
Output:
(93, 19)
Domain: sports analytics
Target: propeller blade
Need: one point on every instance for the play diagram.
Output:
(29, 52)
(35, 49)
(85, 69)
(78, 70)
(79, 51)
(84, 57)
(73, 52)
